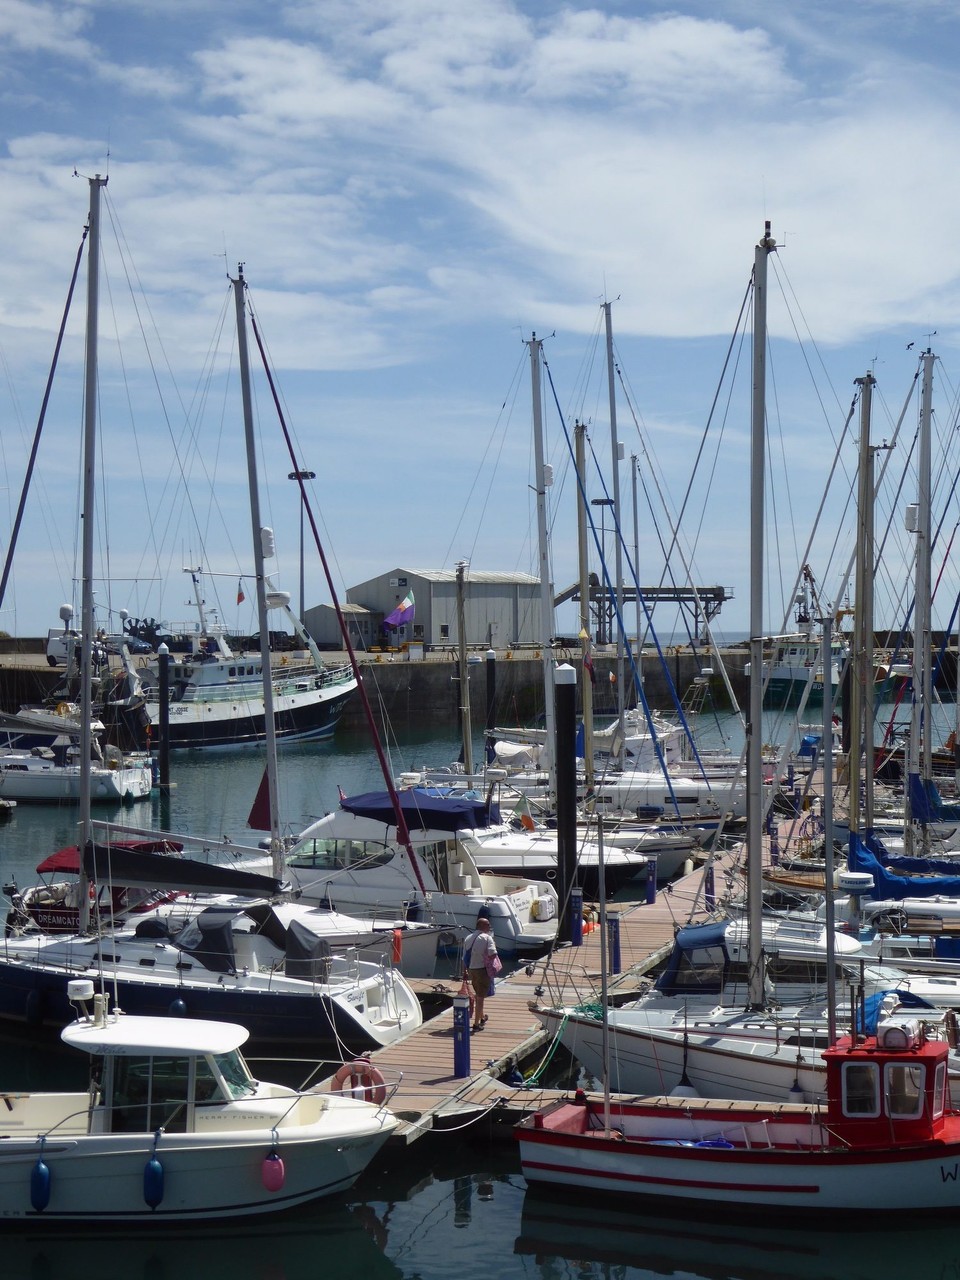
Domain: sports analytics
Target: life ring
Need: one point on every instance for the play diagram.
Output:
(360, 1074)
(63, 708)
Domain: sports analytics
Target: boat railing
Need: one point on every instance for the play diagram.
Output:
(322, 1073)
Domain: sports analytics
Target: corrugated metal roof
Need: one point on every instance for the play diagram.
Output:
(471, 575)
(345, 606)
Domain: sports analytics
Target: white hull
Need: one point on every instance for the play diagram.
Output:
(729, 1059)
(208, 1174)
(32, 779)
(646, 1156)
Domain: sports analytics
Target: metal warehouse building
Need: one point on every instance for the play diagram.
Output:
(501, 610)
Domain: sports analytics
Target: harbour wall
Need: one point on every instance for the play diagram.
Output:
(412, 691)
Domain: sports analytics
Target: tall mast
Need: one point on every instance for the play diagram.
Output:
(586, 641)
(466, 728)
(262, 546)
(618, 541)
(862, 682)
(920, 763)
(754, 732)
(543, 479)
(89, 532)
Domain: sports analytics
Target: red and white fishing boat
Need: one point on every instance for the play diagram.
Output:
(886, 1140)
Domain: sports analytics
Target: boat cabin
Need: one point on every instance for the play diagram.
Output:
(888, 1087)
(148, 1073)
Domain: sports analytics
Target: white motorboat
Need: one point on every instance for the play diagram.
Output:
(175, 1127)
(535, 854)
(353, 859)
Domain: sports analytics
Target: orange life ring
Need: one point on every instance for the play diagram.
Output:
(360, 1074)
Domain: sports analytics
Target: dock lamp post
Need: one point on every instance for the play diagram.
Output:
(602, 503)
(298, 476)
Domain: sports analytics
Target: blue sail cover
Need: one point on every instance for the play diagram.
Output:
(926, 803)
(699, 961)
(887, 885)
(868, 1016)
(424, 809)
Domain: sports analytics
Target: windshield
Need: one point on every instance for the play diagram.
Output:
(236, 1078)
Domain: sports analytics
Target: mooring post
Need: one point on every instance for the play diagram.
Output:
(461, 1037)
(651, 879)
(613, 941)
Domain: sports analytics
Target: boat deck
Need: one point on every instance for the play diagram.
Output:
(431, 1096)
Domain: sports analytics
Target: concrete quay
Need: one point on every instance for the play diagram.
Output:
(415, 691)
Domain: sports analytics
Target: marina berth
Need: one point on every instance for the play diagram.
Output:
(352, 859)
(175, 1127)
(886, 1141)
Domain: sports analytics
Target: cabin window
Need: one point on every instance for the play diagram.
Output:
(903, 1086)
(149, 1093)
(700, 968)
(861, 1089)
(444, 630)
(940, 1089)
(335, 855)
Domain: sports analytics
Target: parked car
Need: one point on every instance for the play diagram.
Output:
(134, 644)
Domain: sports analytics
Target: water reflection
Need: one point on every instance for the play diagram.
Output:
(565, 1237)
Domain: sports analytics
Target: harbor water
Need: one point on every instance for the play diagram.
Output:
(452, 1205)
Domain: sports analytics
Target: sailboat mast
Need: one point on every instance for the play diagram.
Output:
(466, 727)
(259, 533)
(861, 675)
(586, 641)
(920, 762)
(89, 532)
(754, 730)
(546, 584)
(618, 540)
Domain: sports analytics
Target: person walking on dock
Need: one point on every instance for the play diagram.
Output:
(480, 962)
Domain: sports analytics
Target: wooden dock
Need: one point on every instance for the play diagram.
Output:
(430, 1096)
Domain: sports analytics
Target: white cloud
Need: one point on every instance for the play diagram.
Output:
(30, 27)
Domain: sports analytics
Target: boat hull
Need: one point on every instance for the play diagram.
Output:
(734, 1159)
(58, 785)
(715, 1062)
(102, 1178)
(36, 997)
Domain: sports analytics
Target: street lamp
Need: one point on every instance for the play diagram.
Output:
(602, 609)
(298, 476)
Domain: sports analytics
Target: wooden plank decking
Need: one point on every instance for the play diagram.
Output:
(429, 1095)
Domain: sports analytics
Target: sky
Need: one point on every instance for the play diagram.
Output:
(416, 188)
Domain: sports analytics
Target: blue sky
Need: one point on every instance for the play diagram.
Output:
(415, 187)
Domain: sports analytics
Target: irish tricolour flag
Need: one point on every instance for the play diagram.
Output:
(402, 614)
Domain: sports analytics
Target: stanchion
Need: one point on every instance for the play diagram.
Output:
(613, 942)
(461, 1037)
(709, 893)
(651, 879)
(576, 916)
